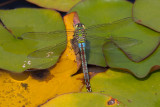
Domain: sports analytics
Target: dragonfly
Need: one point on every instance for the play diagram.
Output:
(83, 36)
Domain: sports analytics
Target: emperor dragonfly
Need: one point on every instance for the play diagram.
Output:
(83, 41)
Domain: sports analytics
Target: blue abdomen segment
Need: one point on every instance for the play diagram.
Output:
(81, 45)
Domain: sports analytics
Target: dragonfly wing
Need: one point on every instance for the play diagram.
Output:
(126, 45)
(95, 44)
(94, 53)
(44, 36)
(121, 42)
(108, 28)
(124, 42)
(48, 52)
(44, 65)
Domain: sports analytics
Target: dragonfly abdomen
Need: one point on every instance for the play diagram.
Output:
(84, 66)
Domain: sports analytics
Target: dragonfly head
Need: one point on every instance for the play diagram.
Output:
(79, 26)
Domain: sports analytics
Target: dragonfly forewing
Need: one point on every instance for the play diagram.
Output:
(45, 36)
(96, 45)
(108, 28)
(120, 42)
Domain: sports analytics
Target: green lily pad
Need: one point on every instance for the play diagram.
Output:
(99, 12)
(139, 37)
(117, 59)
(83, 100)
(102, 11)
(146, 12)
(14, 52)
(142, 59)
(131, 91)
(61, 5)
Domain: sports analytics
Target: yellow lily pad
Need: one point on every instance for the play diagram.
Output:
(83, 100)
(31, 89)
(61, 5)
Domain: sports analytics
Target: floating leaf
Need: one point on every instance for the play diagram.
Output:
(25, 89)
(131, 91)
(61, 5)
(83, 100)
(99, 12)
(147, 58)
(111, 20)
(14, 52)
(102, 11)
(146, 12)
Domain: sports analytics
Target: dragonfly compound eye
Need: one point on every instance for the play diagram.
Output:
(83, 26)
(76, 25)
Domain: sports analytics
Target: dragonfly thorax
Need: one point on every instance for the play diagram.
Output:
(80, 33)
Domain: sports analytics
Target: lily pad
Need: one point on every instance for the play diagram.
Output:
(131, 91)
(117, 59)
(61, 5)
(99, 12)
(14, 51)
(93, 12)
(146, 12)
(83, 100)
(146, 59)
(24, 89)
(126, 28)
